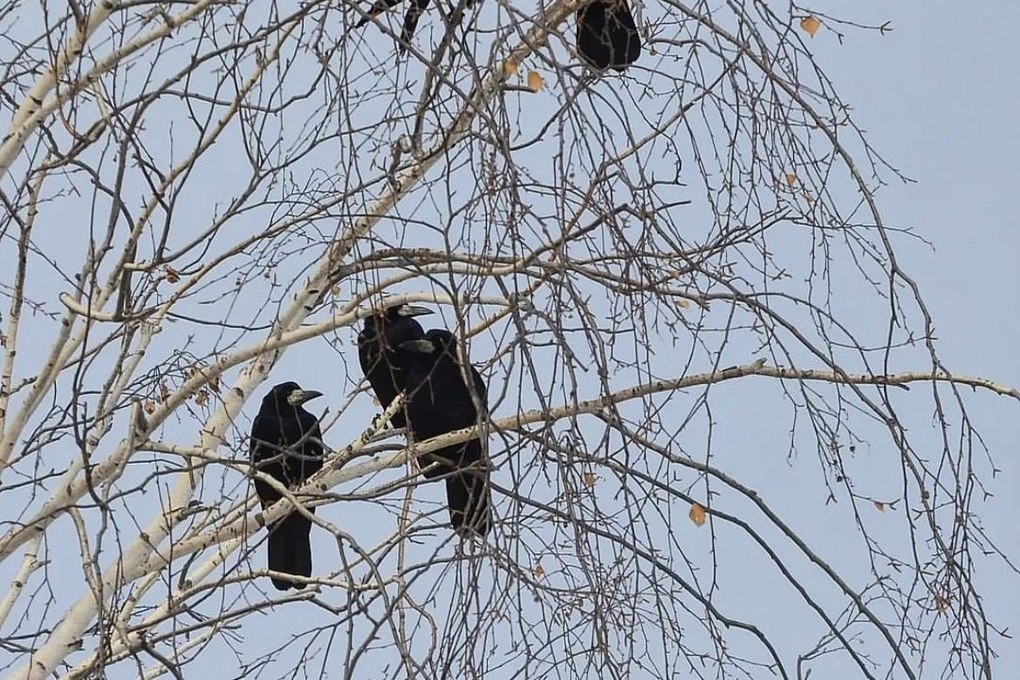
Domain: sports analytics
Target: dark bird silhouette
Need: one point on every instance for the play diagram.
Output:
(377, 344)
(286, 444)
(439, 401)
(411, 17)
(607, 36)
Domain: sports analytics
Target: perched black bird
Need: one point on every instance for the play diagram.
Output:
(414, 13)
(286, 444)
(377, 343)
(439, 401)
(607, 36)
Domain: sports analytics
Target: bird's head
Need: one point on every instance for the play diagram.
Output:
(396, 322)
(435, 343)
(289, 394)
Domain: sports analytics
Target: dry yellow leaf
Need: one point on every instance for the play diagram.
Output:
(791, 179)
(538, 571)
(697, 514)
(880, 505)
(171, 274)
(810, 25)
(589, 479)
(683, 304)
(535, 82)
(941, 603)
(510, 68)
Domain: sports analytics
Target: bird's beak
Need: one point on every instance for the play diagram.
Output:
(298, 397)
(421, 346)
(413, 310)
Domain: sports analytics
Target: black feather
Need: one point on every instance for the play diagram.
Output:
(286, 445)
(439, 402)
(607, 36)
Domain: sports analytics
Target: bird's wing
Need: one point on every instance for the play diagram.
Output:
(480, 388)
(377, 8)
(262, 431)
(367, 356)
(607, 36)
(314, 446)
(414, 13)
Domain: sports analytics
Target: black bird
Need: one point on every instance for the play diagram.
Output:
(286, 444)
(377, 343)
(411, 17)
(607, 36)
(439, 401)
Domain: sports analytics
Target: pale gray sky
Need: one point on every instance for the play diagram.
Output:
(939, 98)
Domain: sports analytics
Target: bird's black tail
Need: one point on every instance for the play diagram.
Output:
(290, 549)
(468, 496)
(607, 36)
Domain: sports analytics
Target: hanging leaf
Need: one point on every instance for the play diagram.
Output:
(535, 81)
(697, 514)
(538, 571)
(880, 505)
(510, 68)
(589, 479)
(171, 274)
(810, 25)
(791, 179)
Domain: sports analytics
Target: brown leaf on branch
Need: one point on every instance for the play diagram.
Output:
(535, 81)
(810, 25)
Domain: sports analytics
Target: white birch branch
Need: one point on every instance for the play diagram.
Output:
(38, 105)
(77, 619)
(332, 475)
(232, 535)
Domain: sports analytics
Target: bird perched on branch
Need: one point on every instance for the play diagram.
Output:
(411, 17)
(286, 444)
(440, 401)
(377, 343)
(607, 36)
